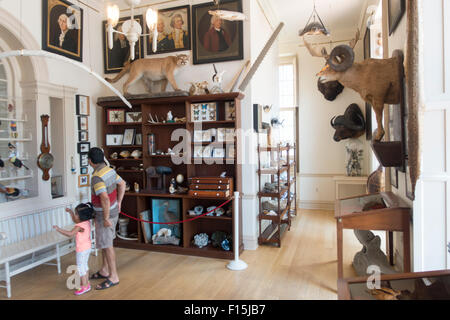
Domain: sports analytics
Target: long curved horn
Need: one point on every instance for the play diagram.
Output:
(341, 58)
(332, 121)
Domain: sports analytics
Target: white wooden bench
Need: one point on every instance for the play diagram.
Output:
(21, 249)
(32, 241)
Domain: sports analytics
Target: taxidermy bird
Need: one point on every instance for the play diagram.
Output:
(226, 14)
(13, 158)
(217, 81)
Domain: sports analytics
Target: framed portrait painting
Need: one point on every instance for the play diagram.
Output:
(82, 103)
(215, 39)
(396, 10)
(115, 58)
(174, 31)
(62, 28)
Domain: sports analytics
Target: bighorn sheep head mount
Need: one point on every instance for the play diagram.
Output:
(349, 125)
(378, 81)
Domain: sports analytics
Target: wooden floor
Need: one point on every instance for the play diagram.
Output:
(304, 267)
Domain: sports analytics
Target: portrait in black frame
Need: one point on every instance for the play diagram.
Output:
(174, 30)
(115, 58)
(396, 10)
(214, 39)
(367, 55)
(62, 28)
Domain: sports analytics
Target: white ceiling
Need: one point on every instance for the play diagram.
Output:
(338, 15)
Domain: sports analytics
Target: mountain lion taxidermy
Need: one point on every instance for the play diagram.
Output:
(152, 70)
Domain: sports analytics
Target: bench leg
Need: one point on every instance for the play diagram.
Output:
(8, 280)
(58, 259)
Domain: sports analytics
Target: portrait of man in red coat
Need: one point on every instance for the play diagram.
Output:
(216, 39)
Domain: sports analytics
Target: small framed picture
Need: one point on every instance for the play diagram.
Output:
(230, 133)
(218, 153)
(84, 147)
(84, 170)
(207, 152)
(133, 117)
(231, 151)
(138, 141)
(394, 177)
(198, 136)
(114, 139)
(207, 136)
(116, 116)
(83, 136)
(82, 123)
(230, 111)
(84, 161)
(83, 180)
(198, 151)
(82, 104)
(128, 137)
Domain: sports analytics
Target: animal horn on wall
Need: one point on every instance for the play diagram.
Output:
(354, 41)
(341, 58)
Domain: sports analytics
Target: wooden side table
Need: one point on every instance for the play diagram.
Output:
(395, 216)
(357, 183)
(356, 288)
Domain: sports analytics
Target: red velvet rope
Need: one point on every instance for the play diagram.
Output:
(177, 222)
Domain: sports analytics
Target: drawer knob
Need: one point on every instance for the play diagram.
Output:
(196, 187)
(195, 193)
(218, 194)
(220, 181)
(220, 187)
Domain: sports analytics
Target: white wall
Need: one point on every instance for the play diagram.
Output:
(431, 207)
(321, 157)
(54, 79)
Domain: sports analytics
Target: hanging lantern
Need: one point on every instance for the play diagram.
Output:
(314, 26)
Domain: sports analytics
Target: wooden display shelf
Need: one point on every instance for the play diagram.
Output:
(135, 202)
(125, 124)
(282, 221)
(127, 159)
(162, 124)
(126, 146)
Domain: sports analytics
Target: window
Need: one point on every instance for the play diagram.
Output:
(287, 85)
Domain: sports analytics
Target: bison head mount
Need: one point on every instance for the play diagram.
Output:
(349, 125)
(330, 90)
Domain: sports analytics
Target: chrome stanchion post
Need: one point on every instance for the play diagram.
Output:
(236, 264)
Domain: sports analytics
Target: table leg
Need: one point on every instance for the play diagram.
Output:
(406, 250)
(339, 249)
(390, 246)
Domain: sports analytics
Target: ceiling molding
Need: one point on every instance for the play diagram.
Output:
(269, 13)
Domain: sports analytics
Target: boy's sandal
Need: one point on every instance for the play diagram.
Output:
(106, 284)
(97, 275)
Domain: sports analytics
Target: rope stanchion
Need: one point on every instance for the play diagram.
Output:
(236, 264)
(178, 222)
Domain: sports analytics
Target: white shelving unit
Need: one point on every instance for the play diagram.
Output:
(16, 178)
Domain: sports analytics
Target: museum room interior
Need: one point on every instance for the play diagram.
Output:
(224, 150)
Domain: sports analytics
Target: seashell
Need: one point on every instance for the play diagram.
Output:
(125, 154)
(210, 209)
(220, 212)
(114, 155)
(201, 240)
(180, 178)
(136, 154)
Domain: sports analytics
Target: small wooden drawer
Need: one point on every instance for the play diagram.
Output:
(209, 194)
(209, 187)
(210, 180)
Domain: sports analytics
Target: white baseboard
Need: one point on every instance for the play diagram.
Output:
(250, 243)
(316, 205)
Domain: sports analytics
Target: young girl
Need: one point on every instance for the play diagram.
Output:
(82, 232)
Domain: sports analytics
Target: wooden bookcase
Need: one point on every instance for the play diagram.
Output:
(136, 202)
(280, 222)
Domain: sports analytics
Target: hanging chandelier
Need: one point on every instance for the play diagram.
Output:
(314, 26)
(131, 29)
(226, 14)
